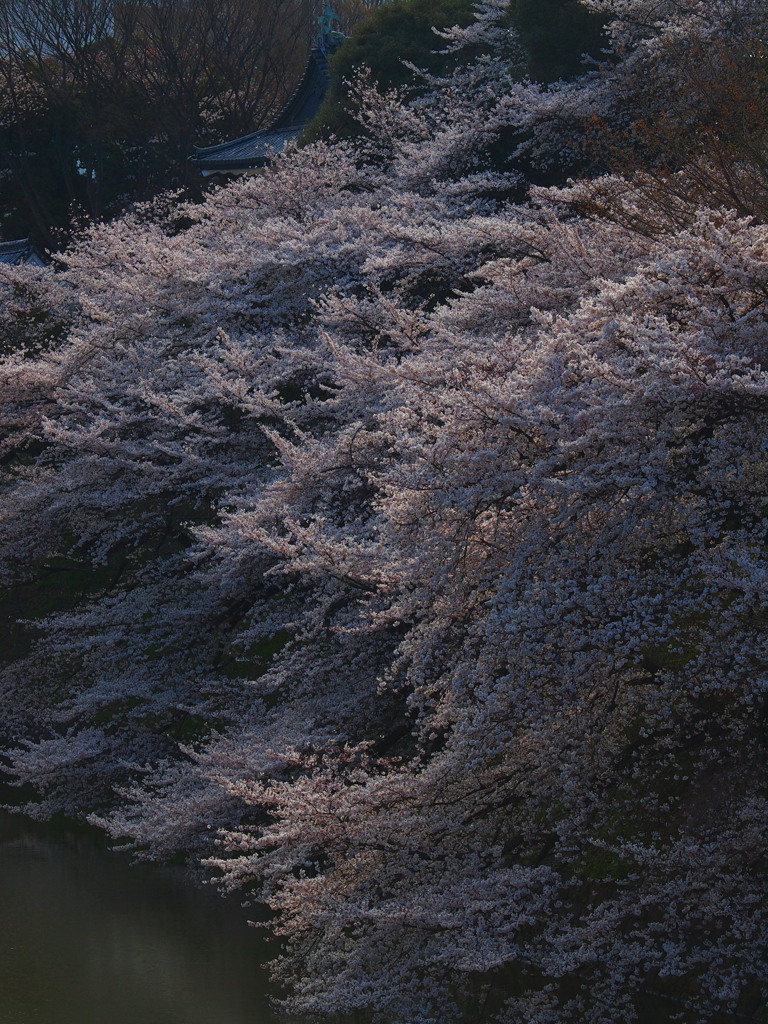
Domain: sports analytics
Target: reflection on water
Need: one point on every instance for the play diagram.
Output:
(88, 939)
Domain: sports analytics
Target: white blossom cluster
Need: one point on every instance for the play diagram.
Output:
(396, 546)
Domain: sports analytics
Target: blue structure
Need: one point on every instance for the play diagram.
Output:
(251, 152)
(20, 251)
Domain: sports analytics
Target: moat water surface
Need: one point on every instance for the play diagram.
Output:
(86, 938)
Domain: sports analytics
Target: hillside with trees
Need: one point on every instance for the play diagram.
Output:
(385, 535)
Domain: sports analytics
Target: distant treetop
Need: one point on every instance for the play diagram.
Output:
(556, 35)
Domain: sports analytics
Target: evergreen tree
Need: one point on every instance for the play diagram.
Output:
(556, 35)
(398, 31)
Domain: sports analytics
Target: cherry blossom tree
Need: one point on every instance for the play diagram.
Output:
(412, 534)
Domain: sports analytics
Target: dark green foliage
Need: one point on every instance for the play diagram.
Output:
(398, 31)
(66, 166)
(556, 34)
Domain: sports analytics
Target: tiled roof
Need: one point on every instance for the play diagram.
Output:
(254, 150)
(20, 251)
(249, 151)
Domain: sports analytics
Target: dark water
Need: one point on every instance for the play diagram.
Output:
(85, 938)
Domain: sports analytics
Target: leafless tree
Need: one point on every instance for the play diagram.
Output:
(97, 84)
